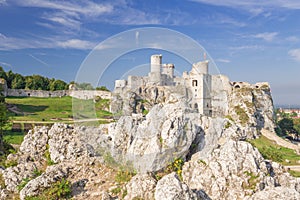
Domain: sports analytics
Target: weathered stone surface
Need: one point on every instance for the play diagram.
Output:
(141, 186)
(167, 132)
(52, 175)
(277, 193)
(170, 187)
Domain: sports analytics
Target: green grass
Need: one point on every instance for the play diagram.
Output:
(294, 173)
(57, 109)
(272, 151)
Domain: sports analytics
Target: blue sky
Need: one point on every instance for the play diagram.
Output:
(249, 40)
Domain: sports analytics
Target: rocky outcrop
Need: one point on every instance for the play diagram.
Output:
(141, 186)
(166, 133)
(144, 98)
(251, 108)
(45, 180)
(170, 187)
(235, 170)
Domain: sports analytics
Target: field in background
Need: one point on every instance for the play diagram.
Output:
(26, 112)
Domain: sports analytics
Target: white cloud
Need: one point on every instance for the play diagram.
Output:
(266, 36)
(2, 2)
(295, 54)
(289, 4)
(223, 60)
(88, 8)
(292, 39)
(5, 64)
(76, 44)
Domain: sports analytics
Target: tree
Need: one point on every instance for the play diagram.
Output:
(286, 125)
(10, 76)
(2, 73)
(18, 82)
(84, 86)
(102, 88)
(37, 82)
(58, 85)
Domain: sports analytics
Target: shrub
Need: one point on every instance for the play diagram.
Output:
(176, 166)
(243, 117)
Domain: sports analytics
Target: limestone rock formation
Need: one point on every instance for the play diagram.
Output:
(150, 144)
(141, 186)
(171, 188)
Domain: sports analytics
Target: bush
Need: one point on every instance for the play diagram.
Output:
(176, 166)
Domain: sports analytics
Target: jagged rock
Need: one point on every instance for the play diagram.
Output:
(64, 143)
(150, 144)
(141, 186)
(277, 193)
(226, 172)
(53, 174)
(106, 196)
(170, 187)
(251, 108)
(13, 176)
(35, 143)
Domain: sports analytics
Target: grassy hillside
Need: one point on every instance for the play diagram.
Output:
(30, 111)
(272, 151)
(54, 109)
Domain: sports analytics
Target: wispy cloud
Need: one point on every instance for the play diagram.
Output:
(2, 2)
(76, 44)
(246, 47)
(295, 54)
(223, 60)
(266, 36)
(5, 64)
(292, 39)
(37, 59)
(289, 4)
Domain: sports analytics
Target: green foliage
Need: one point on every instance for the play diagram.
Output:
(61, 189)
(116, 190)
(243, 117)
(124, 175)
(2, 73)
(2, 181)
(3, 120)
(47, 156)
(229, 117)
(102, 88)
(286, 125)
(176, 166)
(36, 82)
(294, 173)
(58, 85)
(252, 181)
(271, 150)
(203, 162)
(84, 86)
(228, 125)
(23, 183)
(18, 82)
(145, 112)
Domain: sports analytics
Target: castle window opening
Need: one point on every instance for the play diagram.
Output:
(194, 83)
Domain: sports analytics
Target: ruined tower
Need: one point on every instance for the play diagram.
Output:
(155, 69)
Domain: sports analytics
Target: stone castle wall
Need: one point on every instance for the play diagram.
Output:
(80, 94)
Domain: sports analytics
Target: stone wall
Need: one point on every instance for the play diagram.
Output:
(80, 94)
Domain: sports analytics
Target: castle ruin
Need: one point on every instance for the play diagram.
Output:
(201, 88)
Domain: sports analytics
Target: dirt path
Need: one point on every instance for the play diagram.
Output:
(272, 136)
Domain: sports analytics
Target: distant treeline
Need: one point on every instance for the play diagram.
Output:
(38, 82)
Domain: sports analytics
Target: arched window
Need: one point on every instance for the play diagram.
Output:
(194, 83)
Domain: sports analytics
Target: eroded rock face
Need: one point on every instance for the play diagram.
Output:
(251, 108)
(150, 144)
(235, 170)
(141, 186)
(170, 187)
(37, 185)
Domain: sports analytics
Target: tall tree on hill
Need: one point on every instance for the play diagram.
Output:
(58, 85)
(18, 82)
(2, 73)
(10, 77)
(36, 82)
